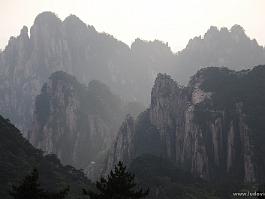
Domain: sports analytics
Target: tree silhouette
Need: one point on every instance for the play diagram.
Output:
(30, 189)
(119, 184)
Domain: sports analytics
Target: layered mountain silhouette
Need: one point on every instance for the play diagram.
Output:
(81, 95)
(78, 49)
(219, 48)
(213, 128)
(78, 123)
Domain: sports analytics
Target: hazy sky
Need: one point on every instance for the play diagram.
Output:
(172, 21)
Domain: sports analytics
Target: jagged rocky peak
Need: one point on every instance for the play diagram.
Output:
(46, 28)
(223, 37)
(19, 47)
(166, 90)
(24, 32)
(206, 127)
(155, 44)
(220, 47)
(164, 84)
(76, 29)
(72, 21)
(168, 100)
(163, 88)
(75, 121)
(58, 96)
(21, 39)
(237, 29)
(213, 32)
(47, 18)
(152, 50)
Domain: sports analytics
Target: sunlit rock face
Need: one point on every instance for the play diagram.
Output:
(75, 122)
(210, 128)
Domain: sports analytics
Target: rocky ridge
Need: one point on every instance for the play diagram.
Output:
(205, 128)
(75, 122)
(78, 49)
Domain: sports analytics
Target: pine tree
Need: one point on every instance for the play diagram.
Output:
(30, 189)
(119, 184)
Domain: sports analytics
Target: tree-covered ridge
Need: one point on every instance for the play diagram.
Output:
(31, 188)
(18, 157)
(168, 181)
(119, 184)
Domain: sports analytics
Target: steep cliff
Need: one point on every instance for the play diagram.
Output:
(73, 47)
(75, 122)
(80, 50)
(123, 148)
(211, 128)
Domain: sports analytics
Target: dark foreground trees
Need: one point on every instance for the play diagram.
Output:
(30, 189)
(119, 184)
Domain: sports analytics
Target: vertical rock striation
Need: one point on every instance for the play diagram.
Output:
(75, 122)
(78, 49)
(210, 128)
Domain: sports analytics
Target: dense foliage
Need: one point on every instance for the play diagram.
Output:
(18, 157)
(167, 181)
(31, 188)
(119, 184)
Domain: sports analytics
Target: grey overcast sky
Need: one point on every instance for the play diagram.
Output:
(172, 21)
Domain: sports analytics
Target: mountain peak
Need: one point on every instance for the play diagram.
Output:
(164, 79)
(74, 20)
(237, 29)
(24, 31)
(46, 17)
(149, 45)
(164, 87)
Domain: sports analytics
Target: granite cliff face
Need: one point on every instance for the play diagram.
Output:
(123, 148)
(71, 46)
(209, 128)
(75, 122)
(78, 49)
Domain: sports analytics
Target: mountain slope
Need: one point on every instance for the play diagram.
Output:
(18, 157)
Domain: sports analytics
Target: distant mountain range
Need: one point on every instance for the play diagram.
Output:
(82, 95)
(73, 47)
